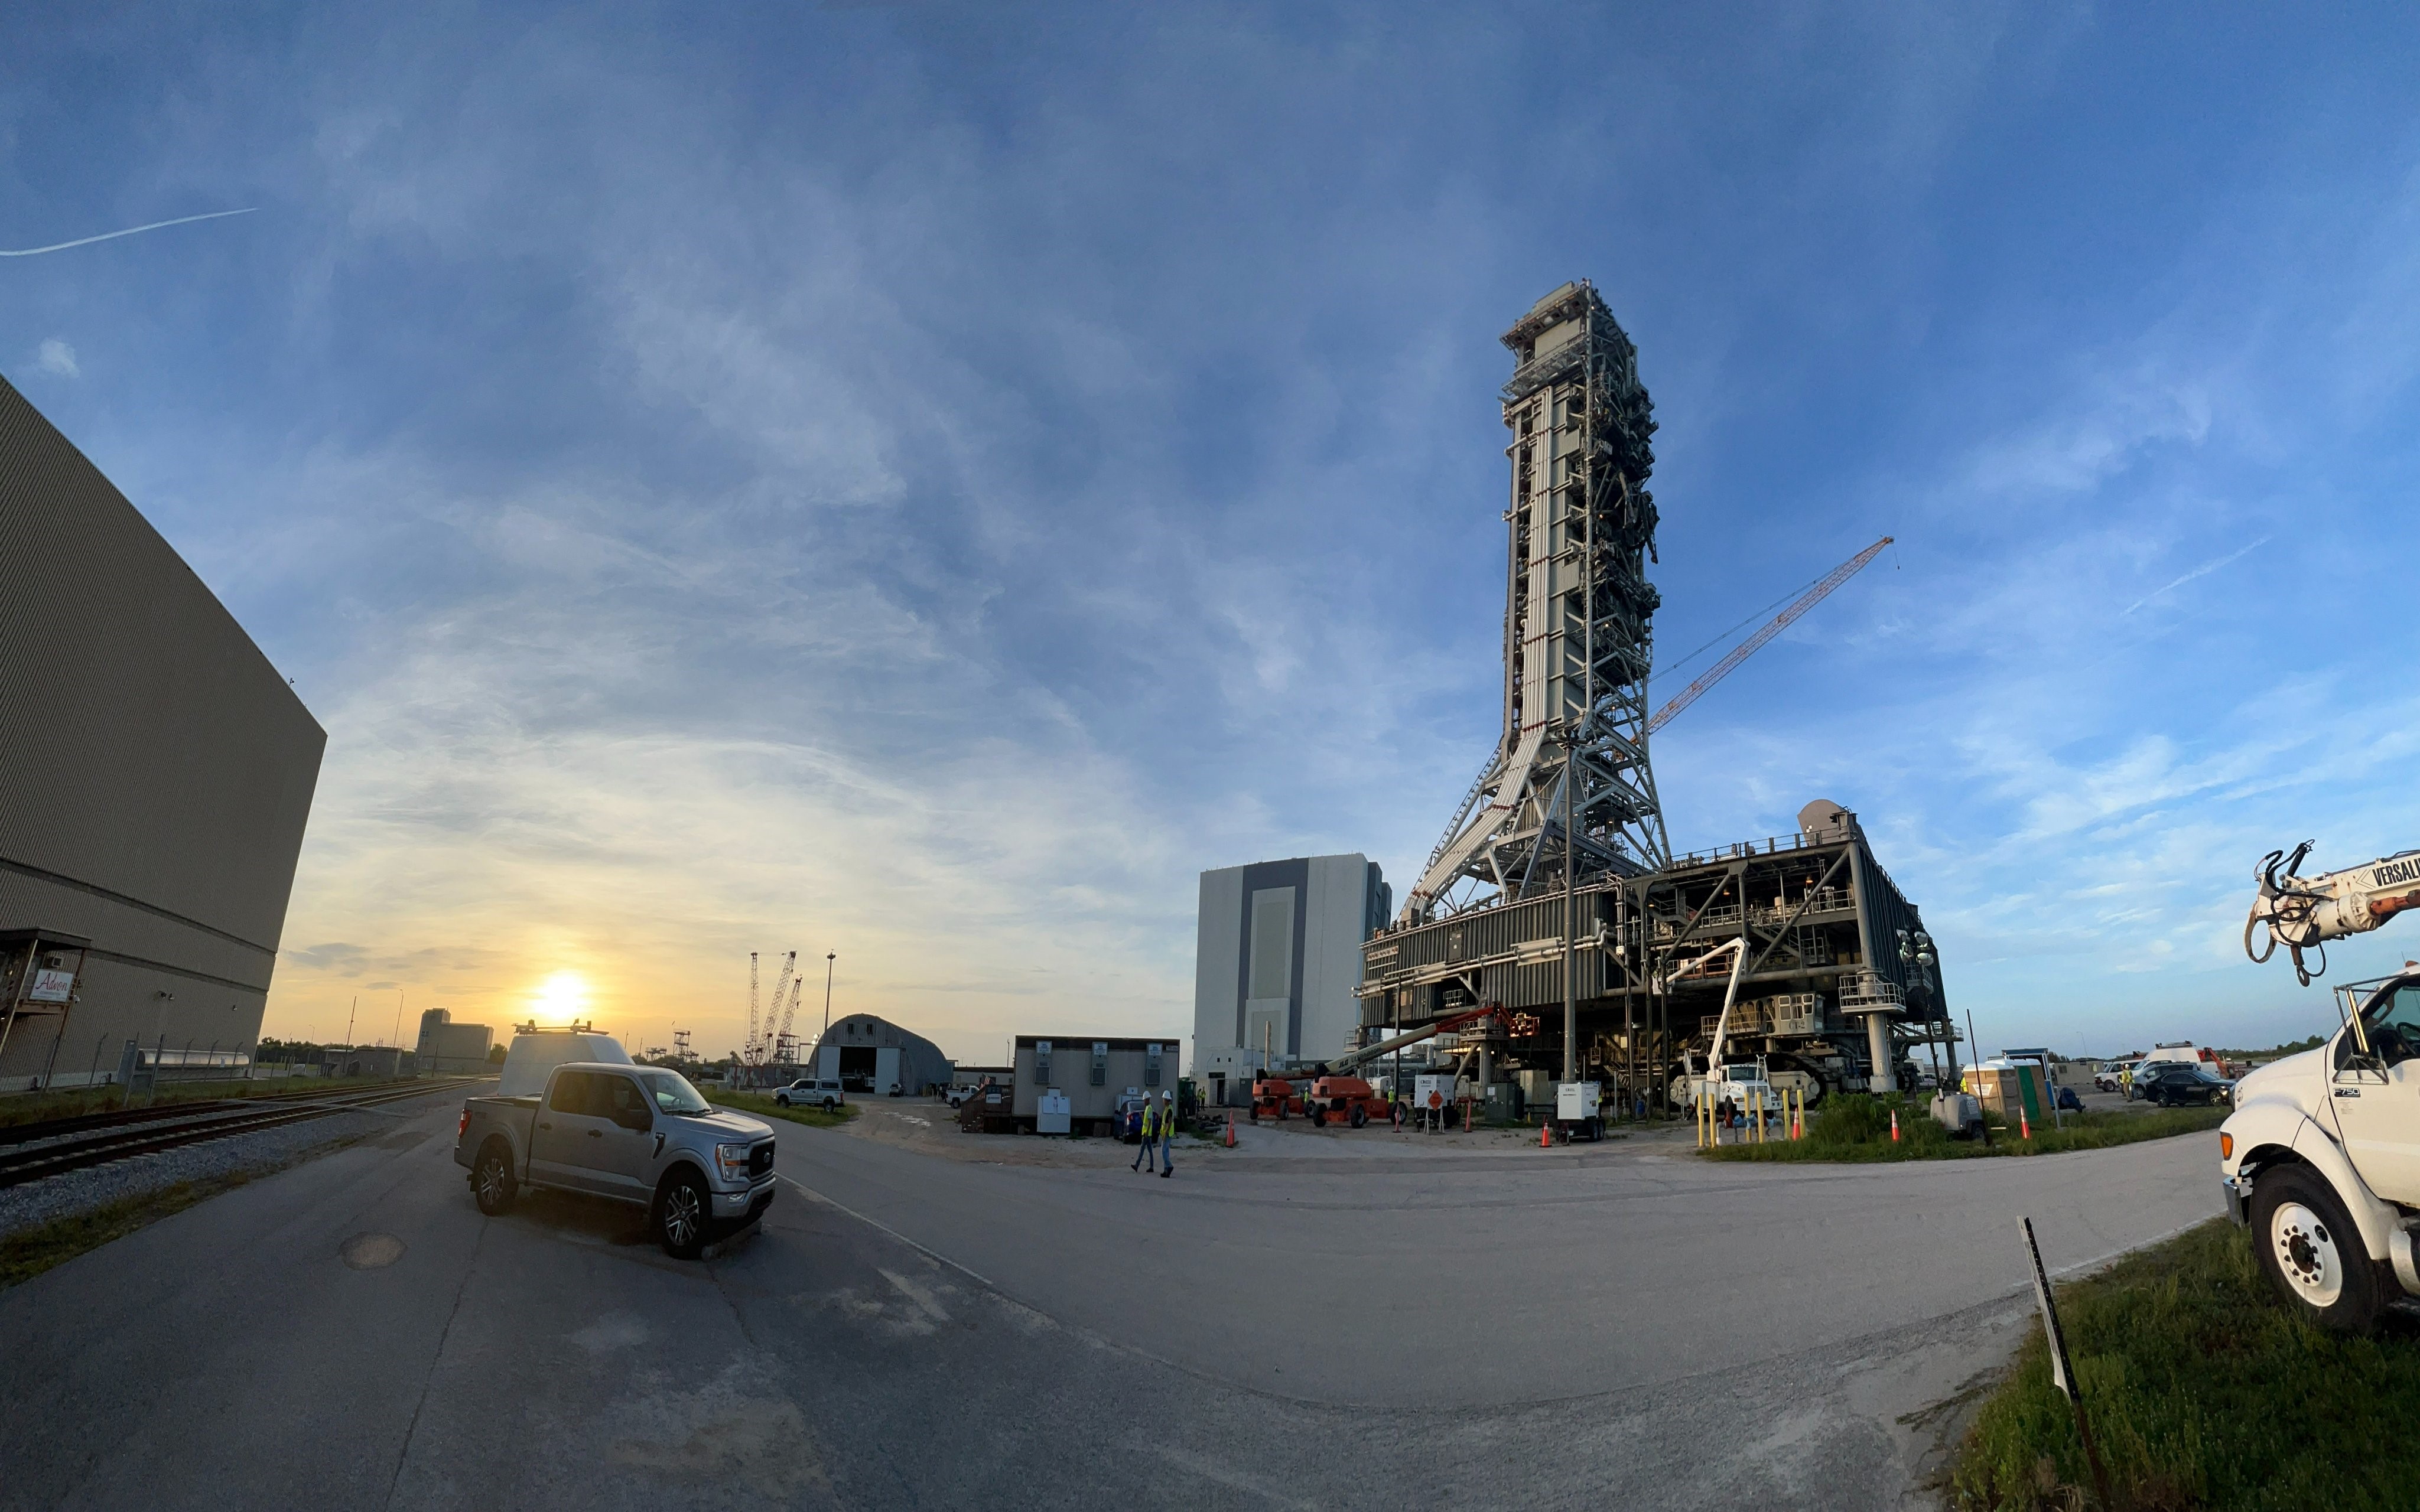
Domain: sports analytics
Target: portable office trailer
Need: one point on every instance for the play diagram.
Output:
(1093, 1074)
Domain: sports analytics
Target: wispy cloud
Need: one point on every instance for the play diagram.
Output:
(56, 358)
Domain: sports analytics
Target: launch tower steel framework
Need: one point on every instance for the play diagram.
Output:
(1567, 795)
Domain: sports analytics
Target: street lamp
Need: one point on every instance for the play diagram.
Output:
(829, 956)
(1915, 952)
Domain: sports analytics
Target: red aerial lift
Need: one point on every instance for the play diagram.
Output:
(1351, 1099)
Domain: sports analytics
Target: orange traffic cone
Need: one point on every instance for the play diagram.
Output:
(2025, 1124)
(1546, 1135)
(1231, 1130)
(1894, 1126)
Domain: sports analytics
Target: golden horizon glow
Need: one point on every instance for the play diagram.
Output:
(561, 999)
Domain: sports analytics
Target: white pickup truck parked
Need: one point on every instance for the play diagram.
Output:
(638, 1134)
(2321, 1160)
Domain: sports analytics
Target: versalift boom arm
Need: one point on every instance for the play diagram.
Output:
(2304, 913)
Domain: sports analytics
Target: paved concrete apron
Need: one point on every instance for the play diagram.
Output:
(907, 1331)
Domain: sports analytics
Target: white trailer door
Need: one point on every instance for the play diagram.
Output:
(886, 1071)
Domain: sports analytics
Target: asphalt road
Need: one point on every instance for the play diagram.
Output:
(1538, 1329)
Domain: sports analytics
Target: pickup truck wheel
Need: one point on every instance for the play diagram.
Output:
(681, 1212)
(2312, 1252)
(491, 1181)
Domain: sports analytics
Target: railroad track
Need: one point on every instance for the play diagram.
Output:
(108, 1137)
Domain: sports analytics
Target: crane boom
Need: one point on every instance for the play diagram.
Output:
(790, 1012)
(1779, 623)
(748, 1045)
(1386, 1047)
(2304, 913)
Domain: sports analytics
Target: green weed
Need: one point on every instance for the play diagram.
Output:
(1857, 1127)
(2204, 1391)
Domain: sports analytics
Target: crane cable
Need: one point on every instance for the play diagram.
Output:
(1773, 626)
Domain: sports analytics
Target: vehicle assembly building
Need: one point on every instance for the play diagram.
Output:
(1277, 964)
(1554, 892)
(155, 775)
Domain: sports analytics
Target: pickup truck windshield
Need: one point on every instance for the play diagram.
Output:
(672, 1092)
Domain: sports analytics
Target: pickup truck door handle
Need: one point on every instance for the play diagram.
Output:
(595, 1134)
(546, 1126)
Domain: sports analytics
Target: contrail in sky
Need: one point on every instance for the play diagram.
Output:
(109, 236)
(2202, 571)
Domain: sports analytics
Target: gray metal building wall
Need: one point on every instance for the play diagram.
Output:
(156, 771)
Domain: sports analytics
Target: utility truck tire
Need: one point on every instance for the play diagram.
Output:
(2312, 1252)
(1360, 1116)
(682, 1212)
(492, 1185)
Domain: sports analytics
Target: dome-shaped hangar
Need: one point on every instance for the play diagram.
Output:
(866, 1054)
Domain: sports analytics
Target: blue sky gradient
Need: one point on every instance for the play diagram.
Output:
(923, 482)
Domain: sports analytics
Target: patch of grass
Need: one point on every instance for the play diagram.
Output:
(764, 1106)
(1857, 1127)
(2204, 1391)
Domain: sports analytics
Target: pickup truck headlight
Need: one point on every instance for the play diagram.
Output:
(732, 1161)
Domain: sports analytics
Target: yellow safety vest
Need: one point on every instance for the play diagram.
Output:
(1150, 1121)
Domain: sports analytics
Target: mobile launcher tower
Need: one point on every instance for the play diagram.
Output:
(1554, 891)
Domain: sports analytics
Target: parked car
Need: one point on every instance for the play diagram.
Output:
(638, 1134)
(2176, 1083)
(809, 1092)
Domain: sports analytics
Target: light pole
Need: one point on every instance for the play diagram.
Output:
(1916, 954)
(829, 956)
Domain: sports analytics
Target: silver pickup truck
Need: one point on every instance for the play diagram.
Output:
(638, 1134)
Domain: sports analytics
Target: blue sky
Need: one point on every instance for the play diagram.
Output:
(923, 482)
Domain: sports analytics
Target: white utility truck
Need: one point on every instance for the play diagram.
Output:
(2322, 1157)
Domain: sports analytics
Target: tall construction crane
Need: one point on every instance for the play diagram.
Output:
(749, 1043)
(775, 1039)
(757, 1046)
(760, 1049)
(1779, 623)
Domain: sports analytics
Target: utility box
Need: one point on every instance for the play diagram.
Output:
(1500, 1101)
(1051, 1113)
(1574, 1101)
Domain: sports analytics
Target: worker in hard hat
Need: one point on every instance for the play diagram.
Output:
(1167, 1133)
(1150, 1116)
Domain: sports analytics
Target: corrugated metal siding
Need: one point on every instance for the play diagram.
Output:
(156, 772)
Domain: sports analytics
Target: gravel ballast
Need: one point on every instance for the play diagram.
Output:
(71, 1192)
